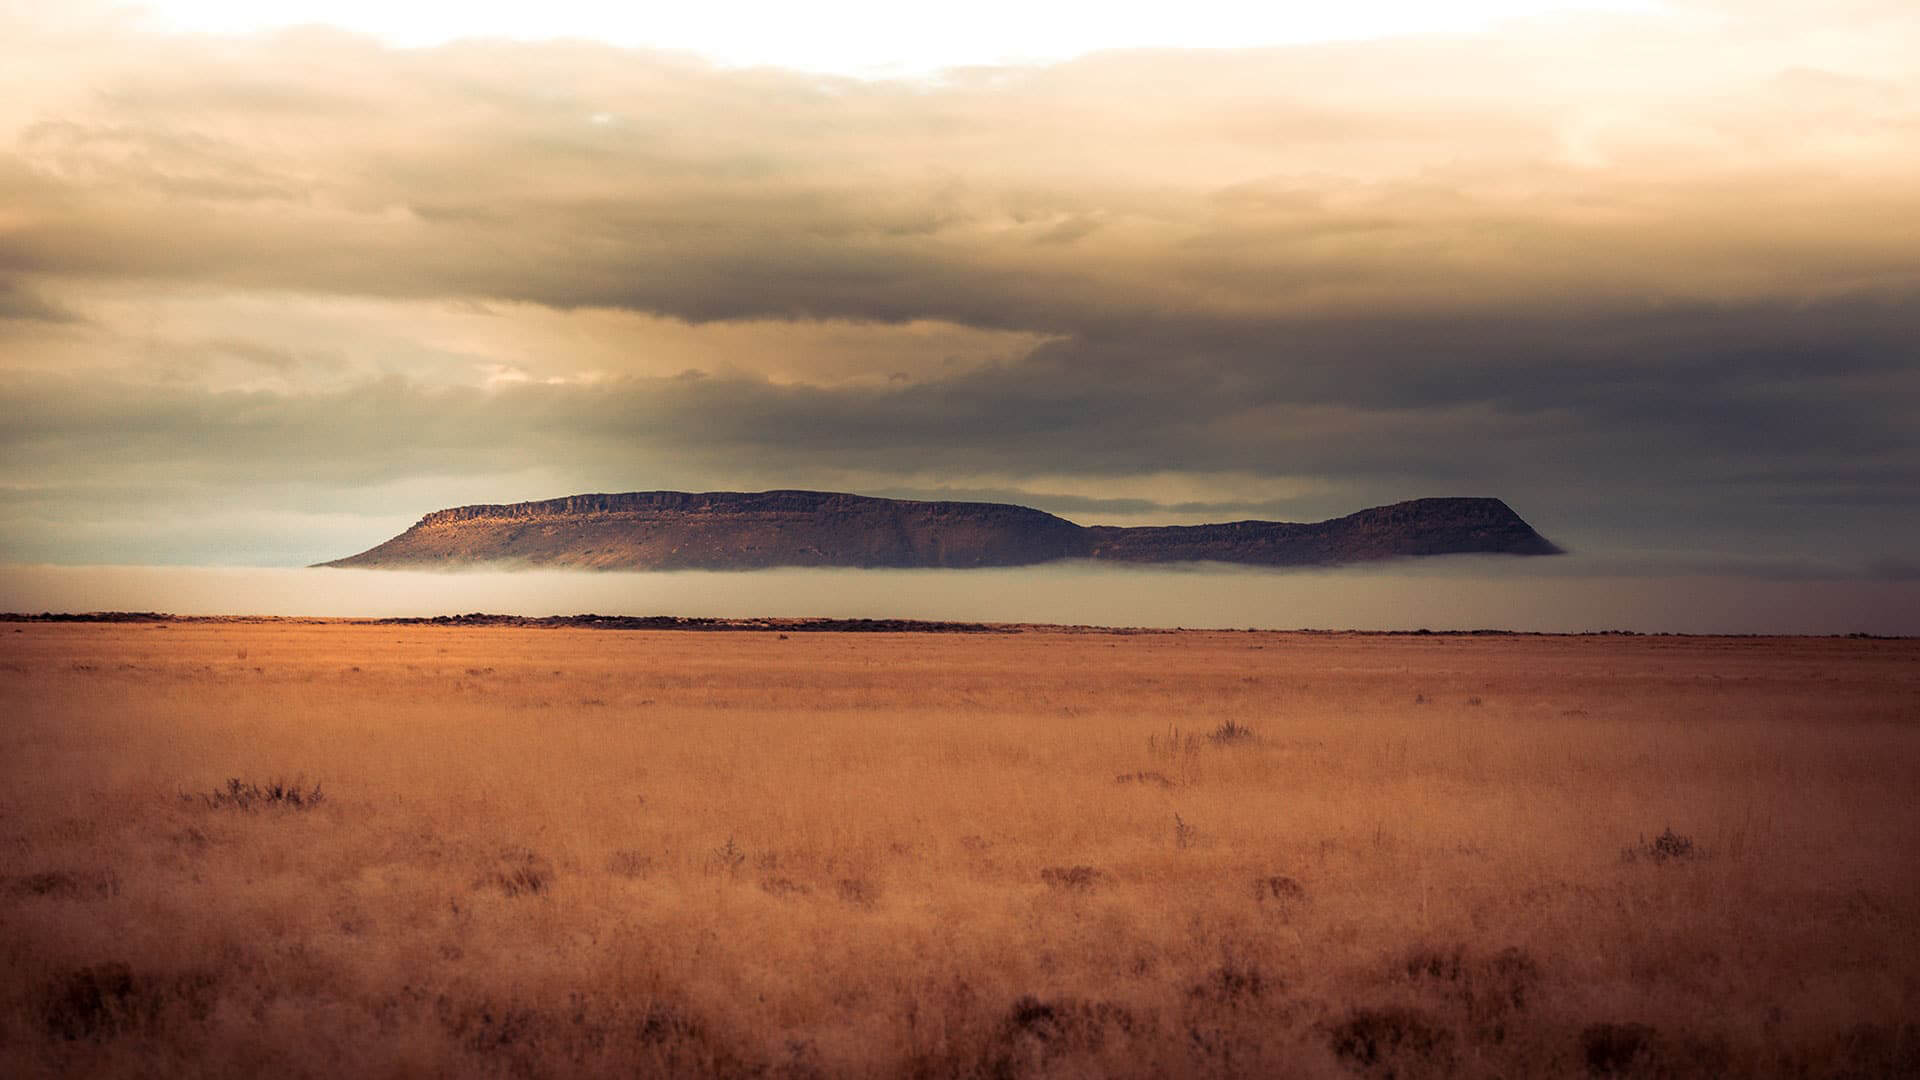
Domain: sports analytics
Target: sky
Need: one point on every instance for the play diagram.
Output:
(274, 286)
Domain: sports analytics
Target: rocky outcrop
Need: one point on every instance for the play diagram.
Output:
(675, 530)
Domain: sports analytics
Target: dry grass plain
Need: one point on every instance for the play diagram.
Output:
(577, 852)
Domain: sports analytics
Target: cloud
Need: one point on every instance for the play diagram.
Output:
(1611, 268)
(584, 176)
(18, 303)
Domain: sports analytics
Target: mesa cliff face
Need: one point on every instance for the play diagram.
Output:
(673, 530)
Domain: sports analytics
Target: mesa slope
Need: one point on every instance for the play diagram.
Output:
(674, 530)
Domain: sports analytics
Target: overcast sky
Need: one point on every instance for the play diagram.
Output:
(1650, 273)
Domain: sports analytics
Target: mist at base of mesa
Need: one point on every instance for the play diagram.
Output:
(1443, 594)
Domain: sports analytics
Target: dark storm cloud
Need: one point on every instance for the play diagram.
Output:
(1661, 300)
(1766, 401)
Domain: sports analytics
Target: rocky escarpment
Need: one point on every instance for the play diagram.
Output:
(674, 530)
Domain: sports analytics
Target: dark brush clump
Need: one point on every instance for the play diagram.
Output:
(108, 1000)
(1231, 733)
(273, 795)
(1392, 1042)
(1071, 877)
(1669, 846)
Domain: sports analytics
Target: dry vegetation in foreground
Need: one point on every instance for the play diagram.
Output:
(575, 852)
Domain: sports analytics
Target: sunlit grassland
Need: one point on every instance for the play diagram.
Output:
(568, 852)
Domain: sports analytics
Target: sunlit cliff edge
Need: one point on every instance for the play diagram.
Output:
(673, 530)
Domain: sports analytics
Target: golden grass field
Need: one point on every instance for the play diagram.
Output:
(575, 852)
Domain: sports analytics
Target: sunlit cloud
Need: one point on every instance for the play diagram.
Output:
(868, 37)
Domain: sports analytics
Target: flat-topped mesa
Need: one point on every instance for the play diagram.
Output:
(724, 530)
(1420, 527)
(720, 530)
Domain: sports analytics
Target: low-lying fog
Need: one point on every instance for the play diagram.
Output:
(1455, 593)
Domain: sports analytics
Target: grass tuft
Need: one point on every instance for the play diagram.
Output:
(729, 857)
(774, 885)
(519, 873)
(103, 1001)
(62, 885)
(273, 795)
(1184, 835)
(858, 892)
(1281, 893)
(1392, 1041)
(1669, 846)
(1617, 1049)
(630, 864)
(1231, 733)
(1082, 878)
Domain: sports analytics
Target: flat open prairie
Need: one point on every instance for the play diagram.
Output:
(556, 852)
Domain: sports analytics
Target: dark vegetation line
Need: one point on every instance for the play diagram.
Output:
(824, 625)
(589, 621)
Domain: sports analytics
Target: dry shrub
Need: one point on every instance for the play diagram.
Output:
(1035, 1033)
(1617, 1049)
(1031, 1036)
(519, 873)
(629, 864)
(588, 1035)
(1234, 985)
(62, 885)
(729, 857)
(1234, 1020)
(1231, 733)
(1636, 1049)
(857, 891)
(1280, 889)
(1392, 1042)
(1442, 964)
(1871, 1050)
(1072, 877)
(1184, 834)
(783, 887)
(1145, 778)
(111, 999)
(1669, 846)
(272, 795)
(1487, 988)
(1175, 744)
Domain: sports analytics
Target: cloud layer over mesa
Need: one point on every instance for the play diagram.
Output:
(1648, 277)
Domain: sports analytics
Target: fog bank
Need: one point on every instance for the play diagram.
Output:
(1463, 594)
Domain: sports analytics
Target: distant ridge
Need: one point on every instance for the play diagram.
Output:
(724, 530)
